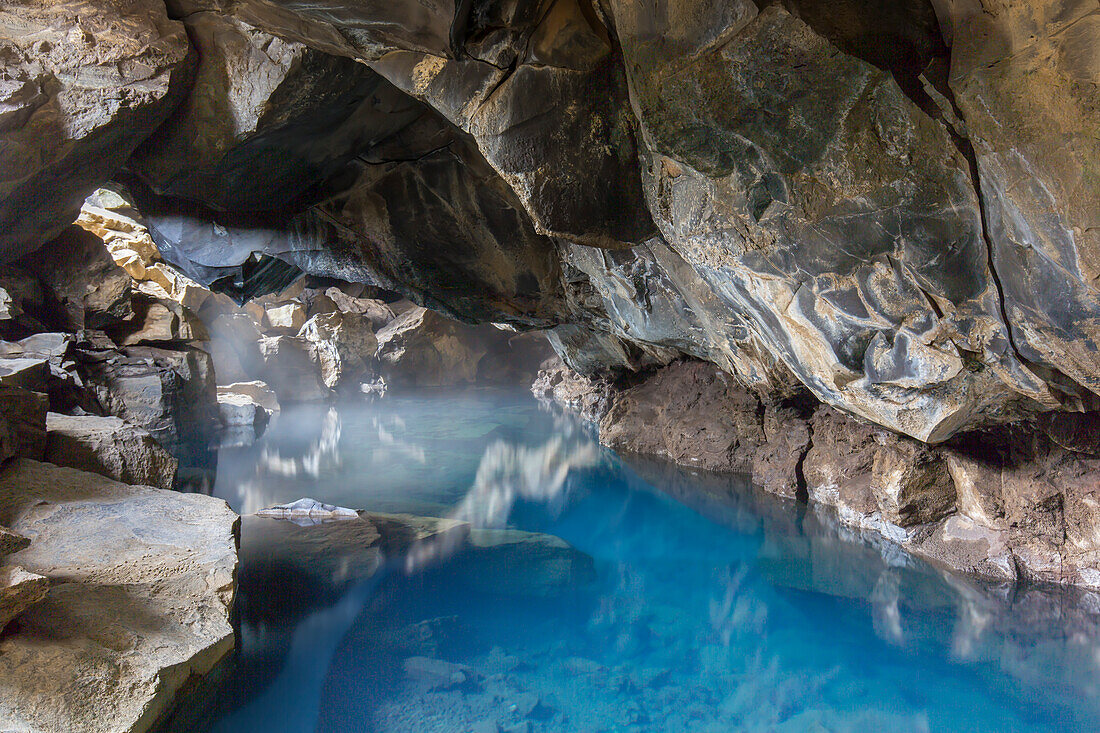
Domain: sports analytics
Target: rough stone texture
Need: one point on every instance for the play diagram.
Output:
(689, 412)
(421, 348)
(911, 483)
(245, 409)
(22, 423)
(558, 383)
(777, 466)
(377, 312)
(159, 321)
(1026, 78)
(110, 447)
(169, 392)
(19, 590)
(142, 587)
(77, 99)
(11, 542)
(343, 346)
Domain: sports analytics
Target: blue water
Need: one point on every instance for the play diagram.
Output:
(711, 607)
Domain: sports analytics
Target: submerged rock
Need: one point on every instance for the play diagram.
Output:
(110, 447)
(307, 508)
(141, 590)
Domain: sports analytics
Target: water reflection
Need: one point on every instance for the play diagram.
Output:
(713, 606)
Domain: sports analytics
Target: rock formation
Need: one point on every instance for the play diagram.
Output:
(140, 589)
(887, 211)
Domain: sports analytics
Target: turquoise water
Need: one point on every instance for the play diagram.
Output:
(707, 607)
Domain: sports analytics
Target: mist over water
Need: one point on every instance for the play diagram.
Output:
(712, 607)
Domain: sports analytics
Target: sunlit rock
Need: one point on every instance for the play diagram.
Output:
(141, 587)
(343, 347)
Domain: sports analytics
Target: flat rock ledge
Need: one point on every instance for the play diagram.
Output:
(142, 584)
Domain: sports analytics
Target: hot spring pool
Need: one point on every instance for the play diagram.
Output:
(709, 607)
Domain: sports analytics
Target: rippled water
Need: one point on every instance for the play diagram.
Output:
(709, 607)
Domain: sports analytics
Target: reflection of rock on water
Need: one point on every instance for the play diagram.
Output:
(508, 473)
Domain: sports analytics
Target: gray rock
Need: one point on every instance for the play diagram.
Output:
(110, 447)
(168, 391)
(22, 423)
(142, 584)
(64, 126)
(343, 347)
(90, 290)
(309, 509)
(421, 348)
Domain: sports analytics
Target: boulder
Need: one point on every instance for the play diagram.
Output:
(424, 349)
(286, 318)
(110, 447)
(19, 590)
(79, 96)
(289, 368)
(141, 591)
(159, 321)
(32, 373)
(245, 409)
(168, 391)
(343, 347)
(778, 465)
(558, 383)
(377, 312)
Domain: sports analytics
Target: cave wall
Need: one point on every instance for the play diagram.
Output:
(891, 206)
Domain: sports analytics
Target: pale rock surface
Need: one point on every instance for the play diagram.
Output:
(343, 346)
(142, 587)
(377, 312)
(110, 447)
(286, 318)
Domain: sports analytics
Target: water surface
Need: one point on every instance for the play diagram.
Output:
(711, 607)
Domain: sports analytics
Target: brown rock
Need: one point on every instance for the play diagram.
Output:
(689, 412)
(290, 370)
(838, 466)
(11, 542)
(911, 483)
(19, 590)
(343, 346)
(777, 465)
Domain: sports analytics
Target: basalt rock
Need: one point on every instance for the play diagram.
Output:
(425, 349)
(110, 447)
(77, 97)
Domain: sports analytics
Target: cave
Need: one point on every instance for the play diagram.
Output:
(549, 365)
